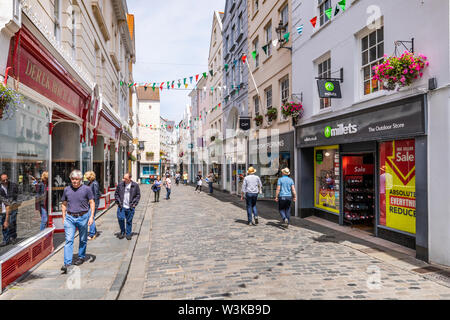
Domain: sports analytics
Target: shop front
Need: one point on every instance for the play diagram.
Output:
(269, 155)
(367, 169)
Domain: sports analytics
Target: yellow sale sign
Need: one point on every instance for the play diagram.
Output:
(398, 185)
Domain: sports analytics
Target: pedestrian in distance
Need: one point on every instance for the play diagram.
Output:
(78, 207)
(199, 182)
(177, 178)
(168, 184)
(210, 180)
(250, 188)
(127, 197)
(156, 187)
(9, 193)
(185, 178)
(285, 194)
(95, 187)
(42, 199)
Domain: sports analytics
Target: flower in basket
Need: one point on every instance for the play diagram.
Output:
(292, 109)
(259, 120)
(272, 114)
(9, 101)
(401, 71)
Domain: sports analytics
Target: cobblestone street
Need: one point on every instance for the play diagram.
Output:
(200, 247)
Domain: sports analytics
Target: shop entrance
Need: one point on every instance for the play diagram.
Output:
(359, 190)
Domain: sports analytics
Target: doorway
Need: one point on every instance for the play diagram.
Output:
(358, 179)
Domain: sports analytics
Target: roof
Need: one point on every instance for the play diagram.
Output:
(148, 94)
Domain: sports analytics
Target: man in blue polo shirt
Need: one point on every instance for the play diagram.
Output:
(285, 194)
(78, 207)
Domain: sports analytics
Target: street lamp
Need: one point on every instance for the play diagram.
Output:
(281, 30)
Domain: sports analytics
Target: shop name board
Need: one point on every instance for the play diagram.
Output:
(407, 118)
(329, 89)
(340, 130)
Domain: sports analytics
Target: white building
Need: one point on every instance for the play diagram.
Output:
(399, 137)
(148, 121)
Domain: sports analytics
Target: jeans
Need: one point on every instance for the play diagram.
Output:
(157, 195)
(70, 226)
(210, 187)
(284, 205)
(122, 215)
(198, 186)
(44, 218)
(168, 193)
(93, 228)
(250, 199)
(11, 232)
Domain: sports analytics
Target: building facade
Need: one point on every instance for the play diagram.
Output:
(67, 61)
(374, 158)
(269, 88)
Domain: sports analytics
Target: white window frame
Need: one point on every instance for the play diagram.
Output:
(256, 105)
(285, 10)
(267, 31)
(322, 74)
(321, 7)
(283, 90)
(370, 64)
(266, 97)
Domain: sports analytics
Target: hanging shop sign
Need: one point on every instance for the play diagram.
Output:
(244, 124)
(329, 89)
(402, 118)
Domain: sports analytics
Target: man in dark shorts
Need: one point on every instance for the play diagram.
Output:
(78, 207)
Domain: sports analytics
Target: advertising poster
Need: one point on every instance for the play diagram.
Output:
(398, 185)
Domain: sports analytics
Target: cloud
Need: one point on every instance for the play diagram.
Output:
(172, 42)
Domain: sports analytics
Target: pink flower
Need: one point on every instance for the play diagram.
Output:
(405, 71)
(421, 74)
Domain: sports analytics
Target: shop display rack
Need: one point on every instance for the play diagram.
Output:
(358, 199)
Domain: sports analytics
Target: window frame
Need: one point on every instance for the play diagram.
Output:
(255, 47)
(282, 10)
(283, 90)
(268, 28)
(57, 20)
(326, 102)
(362, 81)
(266, 97)
(321, 6)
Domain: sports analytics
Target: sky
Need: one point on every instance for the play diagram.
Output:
(172, 42)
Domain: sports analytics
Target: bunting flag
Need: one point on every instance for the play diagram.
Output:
(300, 29)
(337, 10)
(275, 42)
(313, 21)
(328, 13)
(286, 36)
(211, 72)
(190, 78)
(121, 83)
(186, 85)
(254, 54)
(184, 81)
(145, 88)
(235, 62)
(265, 49)
(244, 57)
(153, 87)
(196, 77)
(342, 4)
(204, 75)
(226, 67)
(161, 87)
(212, 89)
(179, 84)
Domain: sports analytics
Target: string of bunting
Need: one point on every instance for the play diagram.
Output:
(328, 12)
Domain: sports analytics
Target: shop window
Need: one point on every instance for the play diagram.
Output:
(397, 183)
(23, 160)
(65, 158)
(99, 162)
(372, 52)
(326, 182)
(112, 166)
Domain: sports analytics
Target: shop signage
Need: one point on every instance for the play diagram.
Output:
(319, 156)
(404, 118)
(329, 89)
(244, 123)
(358, 169)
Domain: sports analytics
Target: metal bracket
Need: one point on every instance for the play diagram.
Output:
(341, 78)
(398, 43)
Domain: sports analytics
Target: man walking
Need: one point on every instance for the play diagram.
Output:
(168, 184)
(284, 196)
(9, 208)
(127, 196)
(95, 188)
(250, 188)
(78, 207)
(210, 181)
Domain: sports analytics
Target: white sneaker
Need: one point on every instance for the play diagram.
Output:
(286, 222)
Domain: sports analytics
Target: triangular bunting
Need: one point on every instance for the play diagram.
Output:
(328, 13)
(342, 4)
(313, 21)
(275, 42)
(286, 36)
(254, 54)
(265, 49)
(226, 67)
(336, 11)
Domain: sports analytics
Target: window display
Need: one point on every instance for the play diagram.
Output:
(326, 182)
(398, 185)
(112, 165)
(24, 157)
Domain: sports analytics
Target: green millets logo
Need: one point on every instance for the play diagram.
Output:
(329, 86)
(327, 132)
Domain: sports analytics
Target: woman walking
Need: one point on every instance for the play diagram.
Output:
(199, 182)
(156, 187)
(250, 188)
(168, 184)
(95, 187)
(285, 194)
(42, 199)
(210, 181)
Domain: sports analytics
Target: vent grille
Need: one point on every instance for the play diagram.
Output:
(6, 271)
(23, 259)
(36, 250)
(47, 242)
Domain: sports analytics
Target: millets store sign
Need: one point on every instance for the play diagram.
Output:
(404, 118)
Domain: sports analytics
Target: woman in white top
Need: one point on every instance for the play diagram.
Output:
(168, 184)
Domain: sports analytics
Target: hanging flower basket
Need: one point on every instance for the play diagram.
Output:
(272, 114)
(131, 157)
(292, 109)
(400, 71)
(9, 101)
(150, 154)
(259, 120)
